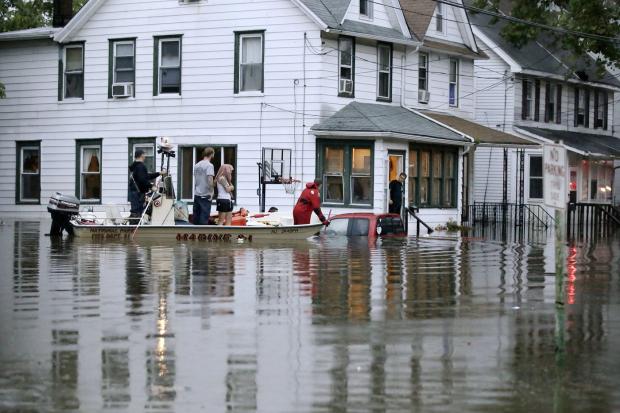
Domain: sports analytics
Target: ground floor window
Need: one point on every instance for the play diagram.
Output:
(432, 176)
(345, 167)
(536, 177)
(190, 155)
(28, 179)
(148, 146)
(601, 180)
(88, 170)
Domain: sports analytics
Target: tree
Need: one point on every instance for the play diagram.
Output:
(27, 14)
(598, 18)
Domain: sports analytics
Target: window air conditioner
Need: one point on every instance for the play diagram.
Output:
(346, 86)
(423, 96)
(122, 90)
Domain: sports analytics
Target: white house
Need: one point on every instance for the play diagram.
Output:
(545, 96)
(240, 78)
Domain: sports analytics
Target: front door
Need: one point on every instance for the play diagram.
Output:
(396, 165)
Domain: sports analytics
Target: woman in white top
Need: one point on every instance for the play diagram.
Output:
(225, 188)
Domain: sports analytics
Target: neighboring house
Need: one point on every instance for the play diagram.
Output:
(81, 99)
(548, 97)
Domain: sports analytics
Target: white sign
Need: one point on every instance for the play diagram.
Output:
(554, 176)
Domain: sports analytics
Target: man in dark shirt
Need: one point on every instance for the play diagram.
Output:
(397, 190)
(139, 183)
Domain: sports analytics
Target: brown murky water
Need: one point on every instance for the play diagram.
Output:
(320, 326)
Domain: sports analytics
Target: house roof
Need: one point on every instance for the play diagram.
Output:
(374, 119)
(541, 55)
(479, 133)
(419, 19)
(587, 144)
(454, 48)
(29, 34)
(362, 28)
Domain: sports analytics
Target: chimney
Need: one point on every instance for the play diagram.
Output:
(63, 11)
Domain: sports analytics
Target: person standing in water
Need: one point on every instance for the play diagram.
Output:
(309, 201)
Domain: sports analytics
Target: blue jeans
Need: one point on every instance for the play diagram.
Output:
(201, 210)
(137, 202)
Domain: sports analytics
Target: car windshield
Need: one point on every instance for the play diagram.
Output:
(348, 226)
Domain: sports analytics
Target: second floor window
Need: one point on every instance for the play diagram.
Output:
(384, 75)
(366, 8)
(423, 77)
(249, 68)
(439, 18)
(73, 77)
(346, 67)
(122, 67)
(600, 109)
(582, 107)
(553, 103)
(168, 71)
(453, 92)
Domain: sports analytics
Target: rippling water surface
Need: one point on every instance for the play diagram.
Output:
(333, 325)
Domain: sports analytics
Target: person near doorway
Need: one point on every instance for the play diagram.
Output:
(140, 182)
(225, 188)
(203, 188)
(309, 201)
(397, 191)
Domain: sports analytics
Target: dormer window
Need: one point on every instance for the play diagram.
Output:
(366, 9)
(439, 18)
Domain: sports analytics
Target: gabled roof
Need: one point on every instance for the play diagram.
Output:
(372, 119)
(587, 144)
(331, 12)
(540, 55)
(418, 14)
(370, 30)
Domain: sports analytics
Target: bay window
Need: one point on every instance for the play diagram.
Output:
(346, 169)
(432, 176)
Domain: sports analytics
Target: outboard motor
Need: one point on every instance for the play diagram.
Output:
(62, 208)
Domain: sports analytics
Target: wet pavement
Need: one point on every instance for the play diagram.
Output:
(429, 325)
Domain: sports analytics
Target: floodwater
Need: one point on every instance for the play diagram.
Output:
(428, 325)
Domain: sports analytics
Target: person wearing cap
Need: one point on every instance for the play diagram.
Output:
(140, 182)
(309, 201)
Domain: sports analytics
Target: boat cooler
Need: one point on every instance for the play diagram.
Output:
(62, 207)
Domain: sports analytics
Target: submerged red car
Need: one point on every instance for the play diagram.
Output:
(366, 224)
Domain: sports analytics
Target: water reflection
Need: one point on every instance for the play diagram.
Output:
(321, 326)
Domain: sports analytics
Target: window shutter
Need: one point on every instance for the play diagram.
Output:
(60, 76)
(547, 100)
(236, 69)
(524, 100)
(587, 99)
(596, 109)
(558, 109)
(155, 66)
(576, 111)
(110, 65)
(537, 101)
(605, 107)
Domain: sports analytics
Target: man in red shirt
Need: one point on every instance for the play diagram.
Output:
(309, 201)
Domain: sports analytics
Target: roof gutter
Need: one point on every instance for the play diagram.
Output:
(373, 37)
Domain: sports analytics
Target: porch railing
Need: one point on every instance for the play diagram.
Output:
(411, 210)
(587, 220)
(531, 215)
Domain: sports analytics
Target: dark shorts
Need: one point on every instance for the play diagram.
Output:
(224, 205)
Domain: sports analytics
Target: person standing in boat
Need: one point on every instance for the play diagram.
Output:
(309, 201)
(225, 188)
(140, 182)
(203, 188)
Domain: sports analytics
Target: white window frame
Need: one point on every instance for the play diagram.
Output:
(160, 66)
(368, 14)
(581, 106)
(425, 68)
(114, 55)
(529, 99)
(439, 18)
(346, 66)
(384, 71)
(456, 63)
(73, 72)
(243, 36)
(552, 100)
(82, 173)
(22, 173)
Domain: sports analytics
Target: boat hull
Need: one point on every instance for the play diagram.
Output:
(195, 233)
